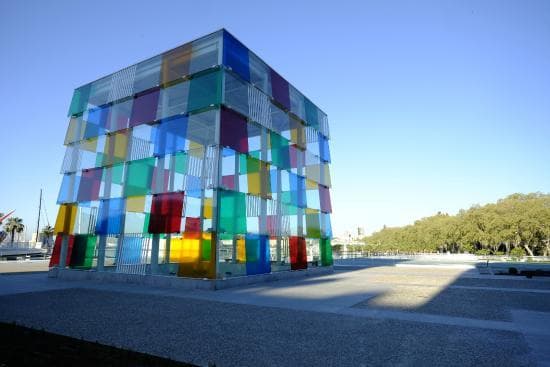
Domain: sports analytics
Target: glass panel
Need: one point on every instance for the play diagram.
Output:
(204, 91)
(79, 103)
(99, 92)
(83, 251)
(147, 74)
(90, 182)
(235, 56)
(116, 146)
(232, 212)
(166, 211)
(69, 188)
(120, 115)
(65, 219)
(145, 108)
(205, 53)
(175, 63)
(280, 89)
(257, 254)
(298, 254)
(233, 131)
(236, 93)
(260, 74)
(279, 151)
(139, 176)
(173, 100)
(326, 251)
(170, 136)
(201, 128)
(313, 227)
(324, 197)
(324, 150)
(111, 212)
(311, 114)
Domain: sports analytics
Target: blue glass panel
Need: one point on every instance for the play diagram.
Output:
(69, 188)
(297, 190)
(235, 55)
(96, 121)
(131, 250)
(324, 150)
(109, 218)
(170, 136)
(257, 254)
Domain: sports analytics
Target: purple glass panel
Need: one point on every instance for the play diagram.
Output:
(145, 108)
(233, 131)
(89, 185)
(279, 89)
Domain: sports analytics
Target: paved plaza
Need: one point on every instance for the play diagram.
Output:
(366, 313)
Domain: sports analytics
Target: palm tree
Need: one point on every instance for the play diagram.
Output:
(47, 233)
(14, 224)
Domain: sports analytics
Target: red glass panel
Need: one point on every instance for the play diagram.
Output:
(166, 212)
(298, 254)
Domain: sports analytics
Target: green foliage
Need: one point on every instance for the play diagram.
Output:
(483, 252)
(517, 253)
(517, 221)
(14, 225)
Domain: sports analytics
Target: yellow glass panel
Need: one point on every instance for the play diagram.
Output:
(184, 249)
(195, 149)
(241, 250)
(311, 211)
(121, 143)
(135, 204)
(66, 217)
(207, 208)
(311, 185)
(89, 145)
(254, 183)
(327, 175)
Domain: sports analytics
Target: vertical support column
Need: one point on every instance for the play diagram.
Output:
(300, 212)
(264, 172)
(237, 188)
(63, 252)
(155, 244)
(102, 244)
(155, 254)
(216, 184)
(171, 189)
(279, 212)
(120, 238)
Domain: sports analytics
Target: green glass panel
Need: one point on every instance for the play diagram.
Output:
(79, 103)
(180, 165)
(146, 222)
(252, 165)
(280, 154)
(313, 226)
(232, 212)
(326, 251)
(82, 254)
(206, 250)
(204, 90)
(117, 171)
(242, 164)
(139, 176)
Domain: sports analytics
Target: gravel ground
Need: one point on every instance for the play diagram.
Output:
(227, 334)
(471, 303)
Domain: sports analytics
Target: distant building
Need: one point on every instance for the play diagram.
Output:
(202, 162)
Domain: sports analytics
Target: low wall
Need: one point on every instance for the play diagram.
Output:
(164, 281)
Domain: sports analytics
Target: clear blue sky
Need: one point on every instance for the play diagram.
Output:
(433, 105)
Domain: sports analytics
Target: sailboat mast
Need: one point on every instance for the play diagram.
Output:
(39, 209)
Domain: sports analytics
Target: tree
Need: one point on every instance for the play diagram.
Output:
(13, 225)
(517, 221)
(47, 232)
